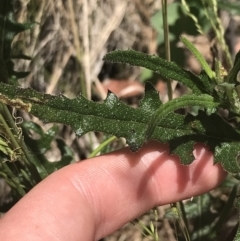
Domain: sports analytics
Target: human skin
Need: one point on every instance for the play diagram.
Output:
(91, 199)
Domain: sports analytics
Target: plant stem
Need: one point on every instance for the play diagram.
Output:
(170, 97)
(166, 43)
(78, 49)
(102, 145)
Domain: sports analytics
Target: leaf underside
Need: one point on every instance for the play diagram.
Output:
(112, 116)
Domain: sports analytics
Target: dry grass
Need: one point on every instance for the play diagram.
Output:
(72, 36)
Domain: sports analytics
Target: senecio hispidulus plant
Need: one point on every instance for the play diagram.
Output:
(152, 120)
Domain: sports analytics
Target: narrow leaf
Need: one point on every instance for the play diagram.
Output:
(204, 101)
(199, 57)
(232, 77)
(169, 70)
(9, 28)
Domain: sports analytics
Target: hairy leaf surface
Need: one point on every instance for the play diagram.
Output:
(169, 70)
(114, 117)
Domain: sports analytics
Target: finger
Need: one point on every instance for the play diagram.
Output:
(91, 199)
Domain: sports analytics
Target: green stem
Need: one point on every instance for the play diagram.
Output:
(205, 101)
(102, 145)
(183, 220)
(170, 97)
(177, 209)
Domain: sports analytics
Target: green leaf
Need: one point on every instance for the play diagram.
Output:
(232, 7)
(66, 152)
(192, 207)
(166, 69)
(66, 159)
(42, 143)
(232, 77)
(205, 101)
(8, 30)
(174, 13)
(113, 117)
(227, 209)
(30, 125)
(209, 84)
(199, 58)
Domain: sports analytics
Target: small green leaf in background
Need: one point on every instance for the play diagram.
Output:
(232, 7)
(8, 30)
(232, 77)
(157, 22)
(40, 141)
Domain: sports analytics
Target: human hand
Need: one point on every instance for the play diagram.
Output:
(91, 199)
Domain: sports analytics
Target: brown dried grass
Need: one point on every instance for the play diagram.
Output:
(72, 36)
